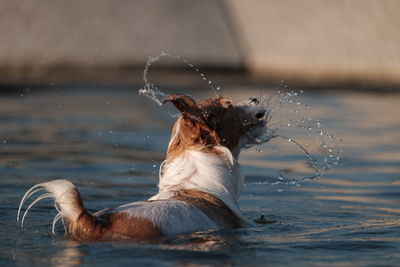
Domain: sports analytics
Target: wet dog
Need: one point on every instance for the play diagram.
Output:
(200, 181)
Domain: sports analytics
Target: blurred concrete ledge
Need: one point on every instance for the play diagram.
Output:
(57, 39)
(308, 42)
(317, 42)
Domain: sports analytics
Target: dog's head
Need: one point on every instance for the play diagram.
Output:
(217, 122)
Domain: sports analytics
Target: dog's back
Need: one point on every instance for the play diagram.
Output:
(200, 183)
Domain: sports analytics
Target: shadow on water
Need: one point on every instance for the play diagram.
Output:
(110, 143)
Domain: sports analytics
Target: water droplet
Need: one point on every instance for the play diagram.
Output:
(155, 165)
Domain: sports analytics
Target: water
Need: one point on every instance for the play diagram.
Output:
(110, 143)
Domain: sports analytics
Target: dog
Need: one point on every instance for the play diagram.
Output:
(200, 180)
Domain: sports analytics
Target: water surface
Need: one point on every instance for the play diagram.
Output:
(110, 143)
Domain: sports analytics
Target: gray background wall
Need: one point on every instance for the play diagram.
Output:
(308, 41)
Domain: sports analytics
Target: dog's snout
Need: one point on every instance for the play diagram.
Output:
(254, 100)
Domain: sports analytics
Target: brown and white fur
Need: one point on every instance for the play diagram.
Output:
(200, 180)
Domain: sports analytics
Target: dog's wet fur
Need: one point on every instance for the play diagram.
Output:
(200, 182)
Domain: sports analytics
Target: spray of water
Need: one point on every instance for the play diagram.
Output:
(284, 112)
(308, 155)
(154, 93)
(150, 90)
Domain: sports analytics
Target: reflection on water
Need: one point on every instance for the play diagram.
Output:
(110, 143)
(359, 199)
(68, 256)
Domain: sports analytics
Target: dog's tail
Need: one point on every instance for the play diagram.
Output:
(67, 201)
(79, 224)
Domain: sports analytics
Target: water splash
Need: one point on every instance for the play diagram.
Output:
(287, 113)
(150, 90)
(308, 155)
(284, 112)
(154, 93)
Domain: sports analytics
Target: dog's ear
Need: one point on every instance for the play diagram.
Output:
(187, 106)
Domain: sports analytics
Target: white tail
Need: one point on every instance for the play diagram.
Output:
(66, 197)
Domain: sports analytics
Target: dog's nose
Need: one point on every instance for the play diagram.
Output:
(254, 100)
(260, 114)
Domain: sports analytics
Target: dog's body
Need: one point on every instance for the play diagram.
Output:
(200, 182)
